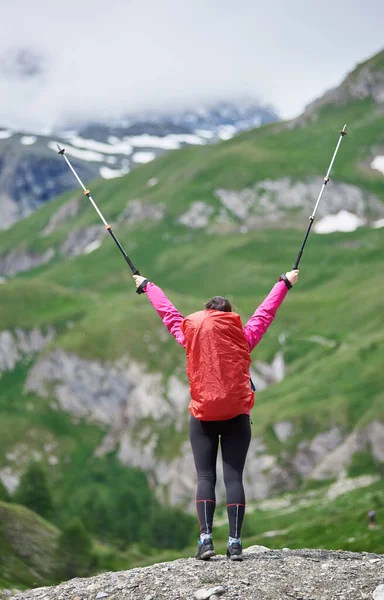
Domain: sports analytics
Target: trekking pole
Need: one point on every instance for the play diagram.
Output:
(87, 193)
(312, 217)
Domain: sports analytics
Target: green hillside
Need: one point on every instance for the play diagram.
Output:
(333, 322)
(27, 547)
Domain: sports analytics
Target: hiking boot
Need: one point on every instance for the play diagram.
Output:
(205, 549)
(235, 551)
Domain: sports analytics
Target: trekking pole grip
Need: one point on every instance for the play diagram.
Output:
(140, 289)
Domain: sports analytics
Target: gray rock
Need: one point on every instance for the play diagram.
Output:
(364, 82)
(272, 201)
(283, 430)
(67, 211)
(262, 575)
(378, 593)
(18, 344)
(197, 216)
(29, 179)
(78, 240)
(204, 594)
(256, 549)
(336, 459)
(139, 210)
(310, 453)
(19, 261)
(264, 374)
(121, 395)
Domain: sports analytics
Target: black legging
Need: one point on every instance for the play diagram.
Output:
(235, 436)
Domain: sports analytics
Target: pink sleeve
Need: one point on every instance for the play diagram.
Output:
(264, 315)
(170, 316)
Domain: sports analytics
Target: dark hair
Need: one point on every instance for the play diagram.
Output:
(219, 303)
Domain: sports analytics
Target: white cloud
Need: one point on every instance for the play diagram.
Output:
(102, 59)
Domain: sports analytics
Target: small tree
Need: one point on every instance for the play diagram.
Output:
(33, 491)
(171, 528)
(4, 496)
(74, 551)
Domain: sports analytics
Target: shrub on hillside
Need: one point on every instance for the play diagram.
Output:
(74, 551)
(171, 528)
(4, 495)
(33, 491)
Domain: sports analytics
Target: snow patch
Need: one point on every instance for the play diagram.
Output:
(187, 138)
(342, 221)
(5, 134)
(3, 280)
(153, 141)
(226, 132)
(205, 133)
(153, 181)
(88, 155)
(28, 140)
(378, 164)
(378, 224)
(143, 157)
(92, 246)
(107, 173)
(118, 147)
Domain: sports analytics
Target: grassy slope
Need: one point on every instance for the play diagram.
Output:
(27, 547)
(315, 521)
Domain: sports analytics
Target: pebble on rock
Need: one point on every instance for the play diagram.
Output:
(256, 549)
(378, 593)
(204, 593)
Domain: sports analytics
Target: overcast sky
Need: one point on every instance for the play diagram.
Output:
(101, 58)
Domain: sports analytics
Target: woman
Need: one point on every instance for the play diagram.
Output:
(218, 359)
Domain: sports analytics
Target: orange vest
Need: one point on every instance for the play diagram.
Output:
(218, 361)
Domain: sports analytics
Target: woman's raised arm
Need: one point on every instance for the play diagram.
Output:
(170, 316)
(266, 312)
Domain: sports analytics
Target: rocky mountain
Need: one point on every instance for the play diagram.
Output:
(30, 173)
(365, 82)
(88, 372)
(276, 574)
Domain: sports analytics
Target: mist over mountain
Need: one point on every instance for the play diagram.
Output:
(31, 174)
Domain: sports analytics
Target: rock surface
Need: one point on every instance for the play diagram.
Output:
(137, 407)
(138, 210)
(67, 211)
(270, 574)
(15, 345)
(288, 203)
(365, 81)
(18, 261)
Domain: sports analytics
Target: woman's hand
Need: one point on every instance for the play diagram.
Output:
(138, 280)
(292, 276)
